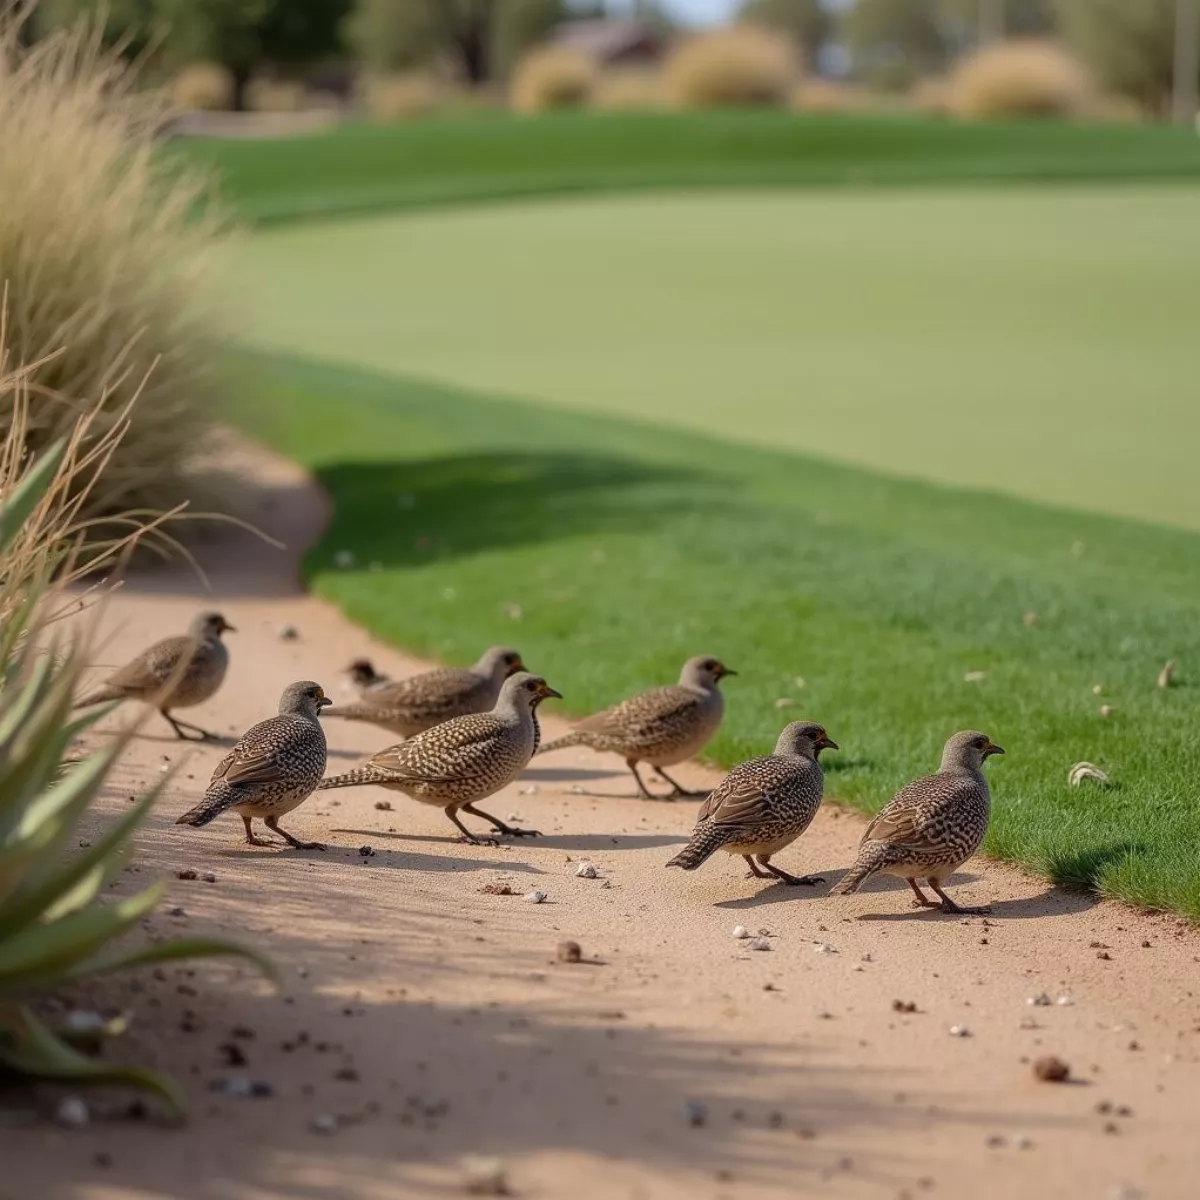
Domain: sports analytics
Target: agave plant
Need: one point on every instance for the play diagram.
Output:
(54, 929)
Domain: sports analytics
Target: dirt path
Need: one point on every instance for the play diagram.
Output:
(432, 1020)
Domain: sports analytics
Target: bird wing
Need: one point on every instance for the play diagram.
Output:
(645, 716)
(468, 742)
(255, 758)
(155, 666)
(906, 819)
(742, 798)
(443, 690)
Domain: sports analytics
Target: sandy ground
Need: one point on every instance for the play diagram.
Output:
(430, 1020)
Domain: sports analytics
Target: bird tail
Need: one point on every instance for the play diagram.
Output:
(575, 738)
(855, 877)
(352, 778)
(209, 809)
(705, 842)
(104, 694)
(348, 712)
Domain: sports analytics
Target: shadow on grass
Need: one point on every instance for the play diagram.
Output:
(407, 512)
(1081, 870)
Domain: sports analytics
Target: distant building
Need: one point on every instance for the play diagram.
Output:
(614, 43)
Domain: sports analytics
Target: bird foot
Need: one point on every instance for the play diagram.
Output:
(927, 904)
(963, 910)
(802, 880)
(471, 840)
(309, 845)
(517, 832)
(254, 840)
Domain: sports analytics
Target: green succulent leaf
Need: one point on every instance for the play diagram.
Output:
(26, 496)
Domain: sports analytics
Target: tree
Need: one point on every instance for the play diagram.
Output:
(1129, 44)
(808, 22)
(483, 38)
(894, 42)
(974, 21)
(241, 35)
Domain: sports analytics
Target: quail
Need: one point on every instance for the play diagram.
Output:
(932, 826)
(178, 672)
(663, 726)
(273, 769)
(763, 805)
(364, 677)
(465, 759)
(410, 706)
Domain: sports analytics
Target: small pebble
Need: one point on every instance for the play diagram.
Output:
(995, 1140)
(974, 677)
(1106, 710)
(586, 870)
(740, 931)
(759, 944)
(1030, 619)
(1051, 1069)
(824, 948)
(530, 790)
(697, 1114)
(209, 877)
(485, 1175)
(784, 702)
(904, 1006)
(959, 1031)
(1040, 1001)
(569, 952)
(497, 889)
(366, 851)
(185, 875)
(72, 1112)
(85, 1021)
(1023, 1141)
(383, 805)
(289, 633)
(1064, 1001)
(535, 897)
(324, 1123)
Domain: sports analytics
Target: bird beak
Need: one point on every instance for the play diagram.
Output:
(548, 693)
(723, 670)
(827, 743)
(992, 748)
(227, 628)
(323, 701)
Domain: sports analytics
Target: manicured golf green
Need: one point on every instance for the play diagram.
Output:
(1033, 341)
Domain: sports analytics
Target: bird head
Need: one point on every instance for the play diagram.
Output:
(968, 749)
(209, 626)
(531, 690)
(362, 672)
(499, 662)
(805, 739)
(304, 698)
(703, 672)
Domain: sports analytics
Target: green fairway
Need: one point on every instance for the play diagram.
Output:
(608, 552)
(1039, 342)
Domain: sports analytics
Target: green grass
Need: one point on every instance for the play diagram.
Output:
(629, 547)
(361, 168)
(1036, 341)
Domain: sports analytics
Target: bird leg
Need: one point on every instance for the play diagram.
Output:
(643, 791)
(754, 868)
(949, 906)
(922, 900)
(251, 838)
(467, 835)
(272, 823)
(676, 790)
(180, 726)
(791, 880)
(500, 826)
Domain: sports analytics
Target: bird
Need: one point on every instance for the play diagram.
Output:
(662, 726)
(410, 706)
(178, 672)
(364, 677)
(273, 769)
(931, 826)
(465, 759)
(763, 805)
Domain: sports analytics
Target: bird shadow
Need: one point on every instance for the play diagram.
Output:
(401, 860)
(566, 774)
(606, 841)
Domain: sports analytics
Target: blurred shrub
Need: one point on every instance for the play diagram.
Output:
(103, 253)
(829, 96)
(628, 89)
(552, 77)
(276, 96)
(1020, 78)
(742, 65)
(400, 95)
(202, 87)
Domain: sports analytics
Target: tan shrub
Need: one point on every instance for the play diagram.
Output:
(1020, 78)
(104, 255)
(551, 77)
(626, 89)
(276, 96)
(741, 65)
(397, 96)
(931, 96)
(829, 96)
(202, 87)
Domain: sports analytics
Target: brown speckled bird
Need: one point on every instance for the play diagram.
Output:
(364, 677)
(764, 805)
(178, 672)
(464, 759)
(661, 727)
(932, 826)
(410, 706)
(273, 769)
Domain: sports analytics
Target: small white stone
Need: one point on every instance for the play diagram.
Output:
(1097, 689)
(83, 1021)
(577, 790)
(535, 897)
(344, 558)
(72, 1112)
(530, 790)
(586, 870)
(824, 948)
(1039, 1001)
(324, 1123)
(759, 944)
(1064, 1001)
(484, 1175)
(514, 612)
(959, 1031)
(514, 816)
(799, 681)
(1107, 710)
(740, 931)
(784, 702)
(288, 633)
(237, 1085)
(164, 768)
(974, 676)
